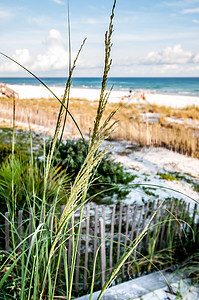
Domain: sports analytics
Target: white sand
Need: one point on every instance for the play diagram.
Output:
(147, 163)
(29, 91)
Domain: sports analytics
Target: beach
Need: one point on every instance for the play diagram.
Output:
(145, 163)
(168, 100)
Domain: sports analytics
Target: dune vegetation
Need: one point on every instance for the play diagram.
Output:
(34, 185)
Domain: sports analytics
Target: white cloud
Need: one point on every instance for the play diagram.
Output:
(58, 2)
(193, 69)
(196, 58)
(170, 55)
(22, 56)
(174, 68)
(153, 58)
(55, 56)
(54, 36)
(190, 11)
(195, 21)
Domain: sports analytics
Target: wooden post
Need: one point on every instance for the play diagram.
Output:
(133, 226)
(138, 226)
(143, 223)
(126, 235)
(194, 214)
(152, 212)
(169, 225)
(119, 231)
(103, 252)
(78, 262)
(176, 221)
(112, 237)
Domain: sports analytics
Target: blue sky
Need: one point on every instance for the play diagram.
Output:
(151, 38)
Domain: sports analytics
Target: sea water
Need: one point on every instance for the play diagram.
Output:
(166, 85)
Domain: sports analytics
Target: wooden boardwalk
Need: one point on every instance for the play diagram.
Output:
(7, 92)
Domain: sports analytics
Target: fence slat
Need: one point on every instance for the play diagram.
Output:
(159, 227)
(126, 235)
(119, 231)
(163, 227)
(78, 261)
(169, 223)
(151, 214)
(86, 247)
(156, 220)
(138, 226)
(112, 237)
(103, 252)
(187, 218)
(143, 224)
(133, 225)
(133, 222)
(194, 215)
(96, 223)
(59, 269)
(176, 220)
(180, 218)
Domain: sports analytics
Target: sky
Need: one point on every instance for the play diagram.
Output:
(150, 39)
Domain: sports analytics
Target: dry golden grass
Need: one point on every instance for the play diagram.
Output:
(132, 126)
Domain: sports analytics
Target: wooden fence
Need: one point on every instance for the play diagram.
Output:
(182, 139)
(7, 92)
(112, 229)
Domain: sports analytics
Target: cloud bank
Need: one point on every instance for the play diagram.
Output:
(170, 55)
(54, 57)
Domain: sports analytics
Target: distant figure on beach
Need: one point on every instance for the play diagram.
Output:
(130, 94)
(128, 97)
(143, 96)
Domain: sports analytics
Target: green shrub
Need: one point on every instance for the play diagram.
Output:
(6, 151)
(167, 176)
(108, 175)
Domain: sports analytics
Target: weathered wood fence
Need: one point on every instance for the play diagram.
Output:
(182, 140)
(7, 92)
(112, 229)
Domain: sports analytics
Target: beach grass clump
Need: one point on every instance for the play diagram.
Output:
(167, 176)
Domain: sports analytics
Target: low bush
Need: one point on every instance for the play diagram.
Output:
(6, 152)
(109, 175)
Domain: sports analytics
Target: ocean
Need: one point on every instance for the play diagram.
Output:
(175, 85)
